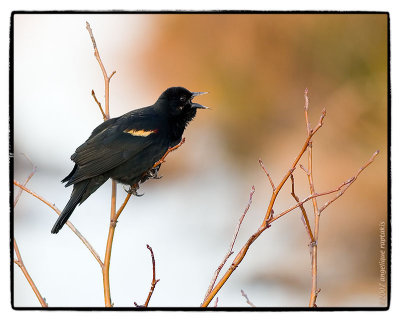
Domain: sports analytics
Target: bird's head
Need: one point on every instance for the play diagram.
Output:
(177, 101)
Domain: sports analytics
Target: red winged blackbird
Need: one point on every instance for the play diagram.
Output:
(126, 148)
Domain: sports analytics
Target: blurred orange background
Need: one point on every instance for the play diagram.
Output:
(255, 68)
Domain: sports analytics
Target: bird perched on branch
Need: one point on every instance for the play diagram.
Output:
(126, 148)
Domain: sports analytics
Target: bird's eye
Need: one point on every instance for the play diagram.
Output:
(183, 98)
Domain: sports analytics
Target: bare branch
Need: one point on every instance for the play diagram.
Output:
(230, 251)
(26, 181)
(216, 302)
(247, 299)
(112, 73)
(294, 164)
(69, 224)
(350, 181)
(306, 101)
(266, 172)
(303, 211)
(100, 107)
(154, 281)
(103, 70)
(162, 160)
(19, 261)
(20, 264)
(316, 296)
(310, 197)
(304, 169)
(89, 29)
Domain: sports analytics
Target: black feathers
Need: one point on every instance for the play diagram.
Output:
(77, 193)
(127, 147)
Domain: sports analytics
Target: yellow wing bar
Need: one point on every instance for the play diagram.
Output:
(140, 133)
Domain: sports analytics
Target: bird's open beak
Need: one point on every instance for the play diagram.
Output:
(196, 105)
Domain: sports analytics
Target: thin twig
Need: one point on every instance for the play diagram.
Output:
(351, 180)
(103, 70)
(154, 281)
(294, 164)
(310, 197)
(306, 107)
(26, 181)
(20, 190)
(230, 251)
(304, 169)
(162, 160)
(313, 244)
(128, 196)
(316, 296)
(111, 75)
(247, 299)
(91, 35)
(266, 172)
(216, 302)
(303, 211)
(19, 261)
(100, 107)
(69, 224)
(20, 264)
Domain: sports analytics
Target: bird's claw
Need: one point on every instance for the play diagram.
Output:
(133, 190)
(153, 173)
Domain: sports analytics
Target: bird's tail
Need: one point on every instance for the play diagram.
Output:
(76, 197)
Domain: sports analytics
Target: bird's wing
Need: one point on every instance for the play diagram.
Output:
(110, 146)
